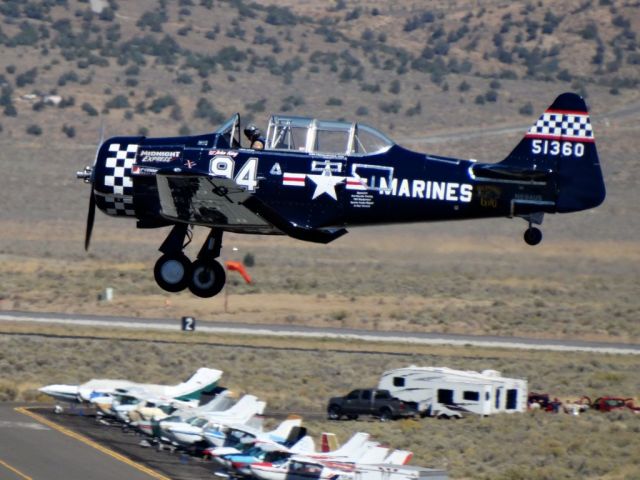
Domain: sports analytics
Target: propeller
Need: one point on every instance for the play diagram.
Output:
(88, 174)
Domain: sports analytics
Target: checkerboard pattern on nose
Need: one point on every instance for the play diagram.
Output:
(562, 125)
(118, 179)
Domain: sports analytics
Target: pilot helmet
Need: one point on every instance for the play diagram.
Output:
(252, 132)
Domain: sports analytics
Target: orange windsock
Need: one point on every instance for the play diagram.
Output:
(239, 267)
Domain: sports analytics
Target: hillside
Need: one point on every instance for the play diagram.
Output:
(168, 67)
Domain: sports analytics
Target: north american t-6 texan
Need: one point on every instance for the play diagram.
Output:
(311, 179)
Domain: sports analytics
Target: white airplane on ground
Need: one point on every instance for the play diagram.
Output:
(203, 380)
(237, 438)
(188, 432)
(146, 416)
(264, 451)
(341, 462)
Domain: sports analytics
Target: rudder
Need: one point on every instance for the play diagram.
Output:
(562, 142)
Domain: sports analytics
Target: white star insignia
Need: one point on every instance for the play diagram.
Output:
(325, 183)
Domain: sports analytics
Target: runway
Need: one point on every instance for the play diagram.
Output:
(326, 333)
(31, 450)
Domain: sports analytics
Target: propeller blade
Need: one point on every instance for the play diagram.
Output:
(90, 217)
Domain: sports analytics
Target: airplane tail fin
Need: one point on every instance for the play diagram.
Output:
(304, 445)
(329, 442)
(375, 454)
(399, 457)
(204, 380)
(353, 446)
(561, 145)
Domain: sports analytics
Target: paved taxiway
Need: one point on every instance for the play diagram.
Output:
(31, 450)
(312, 332)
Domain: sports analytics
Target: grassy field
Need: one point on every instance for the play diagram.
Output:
(301, 377)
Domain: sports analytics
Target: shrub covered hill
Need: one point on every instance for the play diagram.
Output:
(165, 67)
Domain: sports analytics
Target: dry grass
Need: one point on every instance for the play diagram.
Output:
(449, 284)
(301, 380)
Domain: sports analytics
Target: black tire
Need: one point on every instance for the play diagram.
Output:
(172, 272)
(533, 236)
(207, 278)
(385, 414)
(334, 412)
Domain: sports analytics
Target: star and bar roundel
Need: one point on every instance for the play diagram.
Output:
(325, 182)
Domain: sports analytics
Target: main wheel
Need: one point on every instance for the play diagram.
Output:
(172, 272)
(207, 278)
(533, 236)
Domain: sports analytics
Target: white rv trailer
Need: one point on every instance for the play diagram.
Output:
(444, 392)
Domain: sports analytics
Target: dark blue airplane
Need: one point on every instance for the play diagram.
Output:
(310, 179)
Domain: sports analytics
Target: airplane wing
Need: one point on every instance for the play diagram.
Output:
(220, 202)
(207, 200)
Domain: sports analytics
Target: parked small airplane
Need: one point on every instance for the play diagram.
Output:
(236, 438)
(145, 417)
(187, 432)
(239, 464)
(304, 467)
(310, 179)
(278, 466)
(103, 390)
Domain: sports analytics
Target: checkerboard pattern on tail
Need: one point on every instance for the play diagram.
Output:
(563, 125)
(118, 179)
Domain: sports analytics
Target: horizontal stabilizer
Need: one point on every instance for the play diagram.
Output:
(510, 172)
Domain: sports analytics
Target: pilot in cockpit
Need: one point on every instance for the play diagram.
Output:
(254, 134)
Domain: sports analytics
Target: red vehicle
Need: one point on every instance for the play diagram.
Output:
(608, 404)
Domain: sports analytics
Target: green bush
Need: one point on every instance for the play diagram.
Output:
(249, 260)
(119, 101)
(33, 129)
(89, 109)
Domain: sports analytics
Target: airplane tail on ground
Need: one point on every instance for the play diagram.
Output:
(304, 445)
(375, 454)
(559, 147)
(203, 381)
(244, 411)
(352, 447)
(286, 428)
(399, 457)
(329, 442)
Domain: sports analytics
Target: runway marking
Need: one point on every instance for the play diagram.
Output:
(27, 425)
(91, 443)
(15, 470)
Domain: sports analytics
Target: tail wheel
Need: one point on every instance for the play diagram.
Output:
(172, 272)
(533, 236)
(207, 278)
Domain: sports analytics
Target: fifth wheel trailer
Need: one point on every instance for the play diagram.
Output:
(445, 392)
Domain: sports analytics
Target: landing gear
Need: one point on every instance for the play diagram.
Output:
(173, 272)
(533, 236)
(207, 278)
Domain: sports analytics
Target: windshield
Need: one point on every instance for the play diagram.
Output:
(229, 133)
